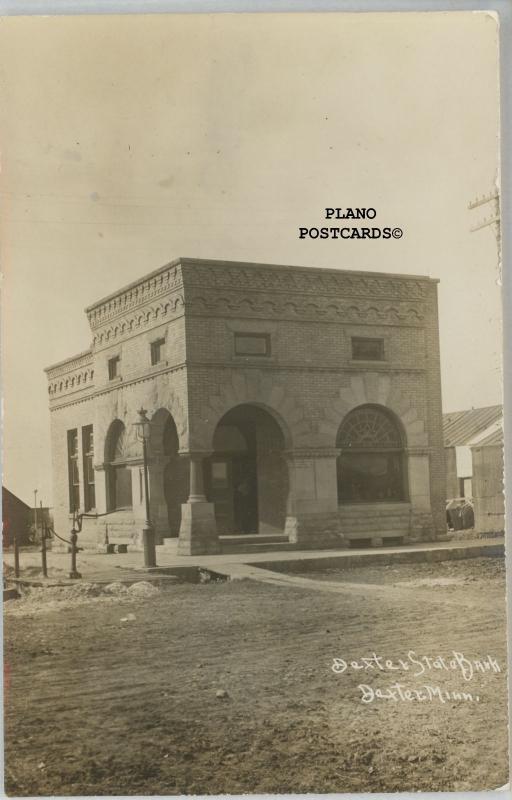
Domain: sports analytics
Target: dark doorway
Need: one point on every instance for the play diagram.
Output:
(175, 477)
(247, 476)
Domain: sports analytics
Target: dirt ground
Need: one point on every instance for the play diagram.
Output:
(229, 687)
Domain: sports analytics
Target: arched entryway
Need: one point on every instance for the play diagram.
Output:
(246, 478)
(168, 473)
(118, 473)
(371, 466)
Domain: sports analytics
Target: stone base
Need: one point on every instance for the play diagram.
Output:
(310, 531)
(198, 531)
(422, 527)
(170, 544)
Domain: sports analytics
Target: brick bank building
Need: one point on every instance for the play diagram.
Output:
(285, 402)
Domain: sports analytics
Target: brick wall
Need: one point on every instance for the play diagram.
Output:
(308, 382)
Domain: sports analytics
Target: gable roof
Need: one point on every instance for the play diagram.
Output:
(460, 427)
(8, 496)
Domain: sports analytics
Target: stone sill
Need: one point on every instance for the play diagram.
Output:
(253, 360)
(366, 362)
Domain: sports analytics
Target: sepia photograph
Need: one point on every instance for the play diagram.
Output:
(253, 519)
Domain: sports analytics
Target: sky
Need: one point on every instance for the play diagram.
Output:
(129, 141)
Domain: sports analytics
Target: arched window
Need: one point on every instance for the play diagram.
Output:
(371, 463)
(118, 474)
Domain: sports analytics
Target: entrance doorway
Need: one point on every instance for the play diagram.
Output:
(247, 477)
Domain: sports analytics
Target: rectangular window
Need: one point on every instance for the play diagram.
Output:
(364, 349)
(88, 456)
(219, 474)
(252, 344)
(121, 489)
(113, 367)
(73, 473)
(156, 351)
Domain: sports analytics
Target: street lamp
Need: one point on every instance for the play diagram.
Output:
(143, 428)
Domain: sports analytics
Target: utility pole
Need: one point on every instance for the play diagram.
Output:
(493, 220)
(35, 513)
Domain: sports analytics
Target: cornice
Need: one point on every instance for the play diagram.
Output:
(107, 389)
(70, 364)
(163, 281)
(303, 280)
(214, 274)
(135, 321)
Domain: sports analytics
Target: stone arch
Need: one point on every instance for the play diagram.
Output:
(117, 473)
(169, 404)
(246, 477)
(371, 466)
(168, 474)
(379, 389)
(251, 387)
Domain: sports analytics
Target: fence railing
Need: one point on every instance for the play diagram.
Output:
(47, 531)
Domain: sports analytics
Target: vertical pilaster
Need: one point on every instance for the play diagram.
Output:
(312, 514)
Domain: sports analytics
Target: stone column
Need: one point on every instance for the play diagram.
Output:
(198, 531)
(312, 518)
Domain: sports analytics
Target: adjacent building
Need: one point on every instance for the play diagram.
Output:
(474, 463)
(293, 402)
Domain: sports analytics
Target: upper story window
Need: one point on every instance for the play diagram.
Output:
(73, 472)
(113, 367)
(156, 351)
(366, 349)
(252, 344)
(88, 456)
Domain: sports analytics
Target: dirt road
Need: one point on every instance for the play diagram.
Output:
(229, 688)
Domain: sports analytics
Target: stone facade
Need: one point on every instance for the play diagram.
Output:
(247, 372)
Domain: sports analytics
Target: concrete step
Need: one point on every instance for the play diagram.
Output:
(254, 538)
(258, 547)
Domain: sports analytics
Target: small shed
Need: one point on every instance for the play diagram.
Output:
(461, 431)
(16, 518)
(488, 497)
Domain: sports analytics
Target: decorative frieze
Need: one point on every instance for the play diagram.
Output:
(190, 273)
(322, 308)
(72, 375)
(140, 320)
(303, 281)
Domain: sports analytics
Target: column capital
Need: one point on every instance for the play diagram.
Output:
(195, 454)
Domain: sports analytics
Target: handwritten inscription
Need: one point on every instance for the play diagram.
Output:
(419, 665)
(398, 692)
(414, 665)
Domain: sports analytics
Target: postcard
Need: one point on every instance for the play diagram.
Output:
(252, 498)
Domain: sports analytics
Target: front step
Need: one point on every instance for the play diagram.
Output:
(258, 547)
(254, 538)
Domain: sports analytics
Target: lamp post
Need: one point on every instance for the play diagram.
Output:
(143, 428)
